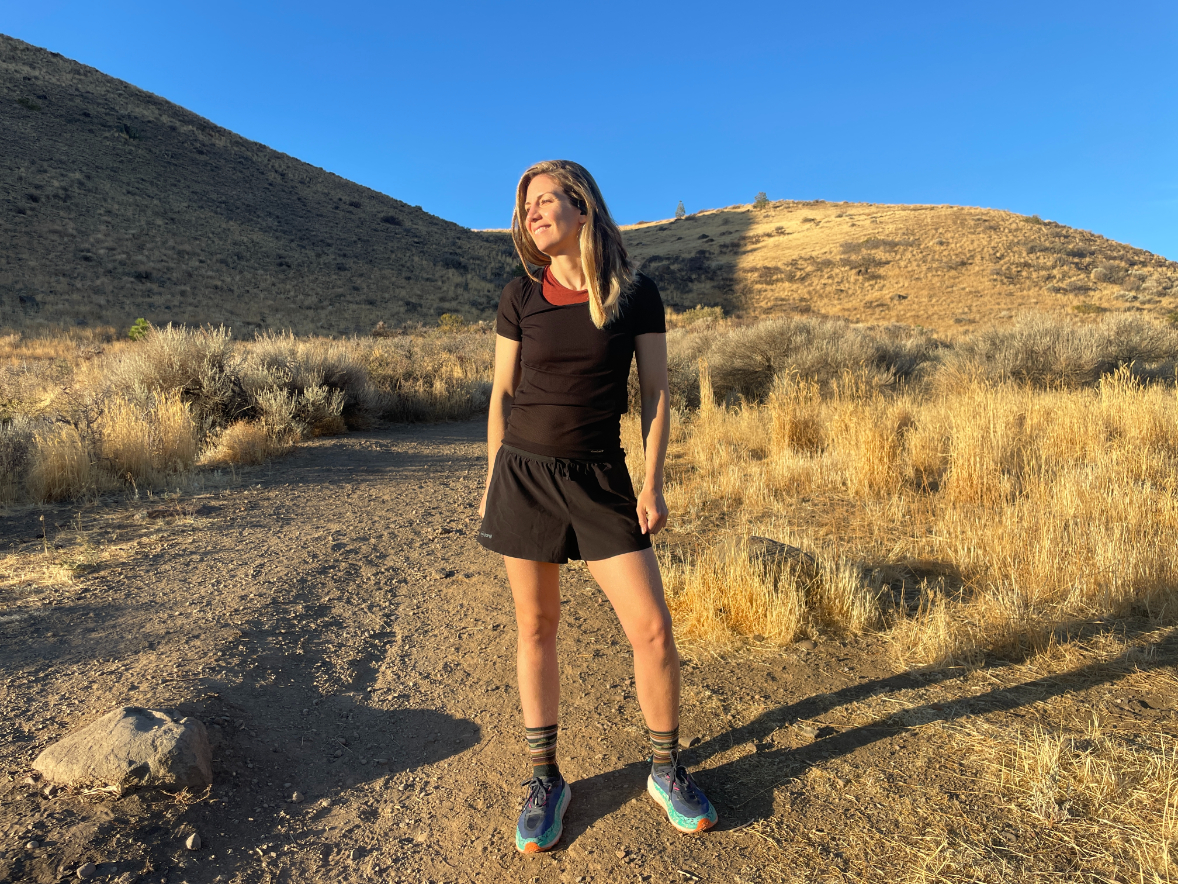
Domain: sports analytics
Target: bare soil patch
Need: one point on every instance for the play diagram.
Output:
(333, 621)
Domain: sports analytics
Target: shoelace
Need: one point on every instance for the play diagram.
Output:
(683, 782)
(537, 793)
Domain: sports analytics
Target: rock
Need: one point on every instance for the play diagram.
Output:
(758, 637)
(193, 841)
(688, 742)
(32, 845)
(807, 730)
(354, 854)
(773, 554)
(620, 854)
(441, 574)
(87, 870)
(132, 746)
(806, 644)
(298, 797)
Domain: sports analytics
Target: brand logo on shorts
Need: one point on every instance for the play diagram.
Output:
(484, 534)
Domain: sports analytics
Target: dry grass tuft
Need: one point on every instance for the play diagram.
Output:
(1111, 802)
(143, 441)
(60, 465)
(243, 443)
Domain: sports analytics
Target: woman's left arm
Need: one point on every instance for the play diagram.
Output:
(651, 353)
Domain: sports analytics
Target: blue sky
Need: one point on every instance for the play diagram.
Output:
(1066, 110)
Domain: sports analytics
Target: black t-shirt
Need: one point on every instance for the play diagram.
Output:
(572, 388)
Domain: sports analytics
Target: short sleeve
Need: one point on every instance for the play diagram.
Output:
(646, 308)
(507, 320)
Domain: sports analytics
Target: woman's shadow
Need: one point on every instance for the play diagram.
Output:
(742, 789)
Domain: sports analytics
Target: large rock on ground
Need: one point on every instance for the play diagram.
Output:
(132, 746)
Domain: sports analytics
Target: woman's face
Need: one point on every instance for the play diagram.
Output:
(551, 218)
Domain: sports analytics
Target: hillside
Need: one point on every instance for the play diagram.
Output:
(115, 203)
(943, 267)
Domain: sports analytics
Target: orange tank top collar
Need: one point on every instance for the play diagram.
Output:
(555, 293)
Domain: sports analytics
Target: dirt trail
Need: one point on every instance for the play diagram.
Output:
(334, 622)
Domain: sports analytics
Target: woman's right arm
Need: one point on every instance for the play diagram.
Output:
(506, 376)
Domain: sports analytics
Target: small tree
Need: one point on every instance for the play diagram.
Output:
(761, 201)
(139, 329)
(680, 212)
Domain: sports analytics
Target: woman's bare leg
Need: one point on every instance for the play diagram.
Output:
(634, 587)
(535, 586)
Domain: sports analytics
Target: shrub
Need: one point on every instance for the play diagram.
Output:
(1048, 351)
(198, 363)
(139, 329)
(747, 360)
(1108, 273)
(28, 104)
(761, 201)
(1087, 309)
(451, 322)
(243, 442)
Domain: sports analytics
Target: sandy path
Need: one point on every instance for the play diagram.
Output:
(333, 619)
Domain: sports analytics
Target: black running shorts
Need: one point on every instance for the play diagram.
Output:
(552, 509)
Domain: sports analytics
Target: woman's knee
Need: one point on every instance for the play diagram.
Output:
(654, 636)
(537, 627)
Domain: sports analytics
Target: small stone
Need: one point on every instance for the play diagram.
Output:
(688, 742)
(807, 730)
(286, 785)
(87, 870)
(758, 637)
(193, 842)
(806, 644)
(441, 574)
(32, 845)
(354, 854)
(30, 781)
(620, 854)
(298, 797)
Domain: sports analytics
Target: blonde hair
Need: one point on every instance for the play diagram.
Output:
(603, 254)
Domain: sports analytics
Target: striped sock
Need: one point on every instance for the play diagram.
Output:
(542, 749)
(665, 744)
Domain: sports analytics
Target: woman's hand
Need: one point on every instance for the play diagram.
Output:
(652, 511)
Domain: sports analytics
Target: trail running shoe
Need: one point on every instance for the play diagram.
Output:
(542, 819)
(686, 805)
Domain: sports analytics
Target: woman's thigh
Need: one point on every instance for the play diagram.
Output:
(535, 587)
(634, 587)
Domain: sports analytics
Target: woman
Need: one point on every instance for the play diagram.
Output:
(557, 485)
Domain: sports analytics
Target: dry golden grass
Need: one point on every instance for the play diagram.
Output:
(1109, 801)
(60, 465)
(1008, 513)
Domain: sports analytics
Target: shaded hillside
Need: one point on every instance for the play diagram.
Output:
(943, 267)
(115, 204)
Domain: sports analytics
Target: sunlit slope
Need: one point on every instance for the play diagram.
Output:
(943, 267)
(115, 204)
